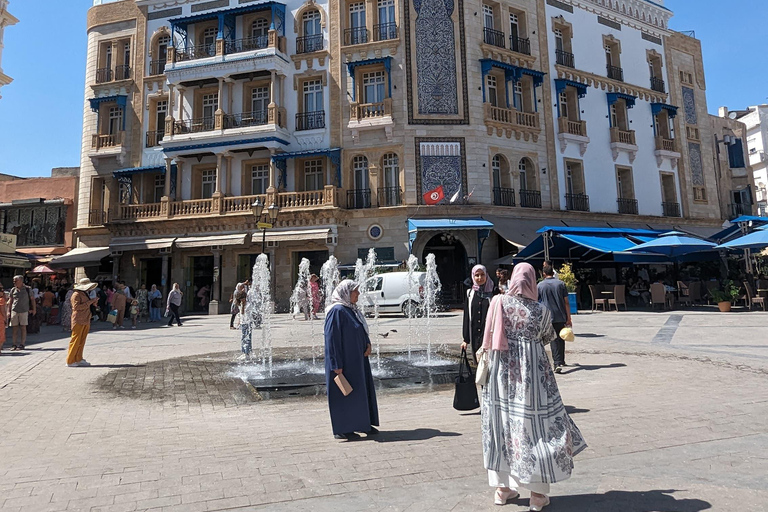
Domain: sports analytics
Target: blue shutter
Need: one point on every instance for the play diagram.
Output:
(736, 155)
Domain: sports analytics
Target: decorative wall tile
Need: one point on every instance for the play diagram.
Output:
(436, 57)
(697, 171)
(689, 103)
(441, 162)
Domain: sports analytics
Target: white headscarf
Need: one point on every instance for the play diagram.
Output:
(342, 296)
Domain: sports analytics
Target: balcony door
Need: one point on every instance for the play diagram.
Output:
(209, 41)
(373, 87)
(115, 125)
(108, 57)
(391, 171)
(360, 167)
(260, 33)
(311, 23)
(488, 17)
(313, 174)
(493, 94)
(259, 179)
(159, 187)
(208, 183)
(260, 103)
(162, 48)
(313, 96)
(514, 30)
(518, 95)
(386, 18)
(523, 170)
(357, 23)
(160, 113)
(210, 106)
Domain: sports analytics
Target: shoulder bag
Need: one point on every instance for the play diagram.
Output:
(483, 363)
(465, 396)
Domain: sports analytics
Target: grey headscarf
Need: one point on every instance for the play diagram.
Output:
(342, 296)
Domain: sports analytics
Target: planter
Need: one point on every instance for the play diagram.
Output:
(725, 307)
(572, 303)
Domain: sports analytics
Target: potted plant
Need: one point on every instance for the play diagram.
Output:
(566, 275)
(725, 297)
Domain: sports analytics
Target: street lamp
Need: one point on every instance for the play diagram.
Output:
(272, 212)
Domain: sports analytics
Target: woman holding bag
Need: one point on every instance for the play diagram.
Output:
(529, 440)
(476, 309)
(347, 347)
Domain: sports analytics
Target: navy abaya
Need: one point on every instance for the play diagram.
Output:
(345, 343)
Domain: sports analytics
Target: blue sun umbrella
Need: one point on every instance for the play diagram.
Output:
(673, 245)
(754, 241)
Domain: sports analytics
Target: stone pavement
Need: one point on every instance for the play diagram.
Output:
(673, 410)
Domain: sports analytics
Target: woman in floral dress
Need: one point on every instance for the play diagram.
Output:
(66, 310)
(142, 296)
(529, 440)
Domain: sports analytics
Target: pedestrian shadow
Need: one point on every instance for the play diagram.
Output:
(419, 434)
(628, 501)
(115, 366)
(574, 410)
(592, 367)
(589, 335)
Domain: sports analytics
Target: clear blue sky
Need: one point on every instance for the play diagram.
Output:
(41, 111)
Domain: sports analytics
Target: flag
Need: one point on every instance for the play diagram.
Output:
(456, 195)
(434, 196)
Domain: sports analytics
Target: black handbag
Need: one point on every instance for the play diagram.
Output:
(157, 303)
(465, 396)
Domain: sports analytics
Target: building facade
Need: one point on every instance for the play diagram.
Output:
(352, 117)
(755, 118)
(6, 20)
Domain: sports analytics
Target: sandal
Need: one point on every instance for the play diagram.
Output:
(502, 497)
(537, 504)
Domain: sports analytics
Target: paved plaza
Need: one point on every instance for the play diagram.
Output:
(672, 405)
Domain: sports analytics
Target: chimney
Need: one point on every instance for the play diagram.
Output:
(723, 112)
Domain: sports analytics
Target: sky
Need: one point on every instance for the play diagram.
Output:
(41, 111)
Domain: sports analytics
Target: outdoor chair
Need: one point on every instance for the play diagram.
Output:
(595, 301)
(619, 297)
(684, 293)
(753, 298)
(694, 292)
(659, 295)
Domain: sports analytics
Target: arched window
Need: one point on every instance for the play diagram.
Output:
(389, 195)
(496, 170)
(360, 197)
(360, 170)
(157, 64)
(311, 37)
(523, 168)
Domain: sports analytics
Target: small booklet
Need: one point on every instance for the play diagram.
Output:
(343, 384)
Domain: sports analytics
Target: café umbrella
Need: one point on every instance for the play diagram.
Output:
(673, 245)
(754, 241)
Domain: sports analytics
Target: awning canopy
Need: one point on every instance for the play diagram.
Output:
(192, 242)
(658, 107)
(226, 18)
(14, 261)
(120, 99)
(561, 84)
(157, 169)
(734, 230)
(673, 245)
(585, 243)
(447, 224)
(754, 241)
(80, 257)
(294, 235)
(518, 232)
(512, 72)
(121, 244)
(613, 97)
(333, 154)
(387, 61)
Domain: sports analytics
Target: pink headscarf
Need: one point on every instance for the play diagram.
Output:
(523, 282)
(488, 287)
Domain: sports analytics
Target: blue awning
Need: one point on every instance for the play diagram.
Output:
(561, 84)
(604, 244)
(278, 24)
(482, 226)
(334, 154)
(586, 243)
(613, 97)
(512, 72)
(157, 169)
(734, 229)
(120, 99)
(658, 107)
(387, 61)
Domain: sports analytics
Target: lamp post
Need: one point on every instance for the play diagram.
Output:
(272, 212)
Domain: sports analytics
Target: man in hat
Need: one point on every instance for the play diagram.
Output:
(554, 295)
(81, 321)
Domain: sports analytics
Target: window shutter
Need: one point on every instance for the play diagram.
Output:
(736, 155)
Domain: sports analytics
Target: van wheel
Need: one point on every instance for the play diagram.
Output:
(411, 309)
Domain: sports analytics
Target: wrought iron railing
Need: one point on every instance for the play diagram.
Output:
(670, 209)
(355, 35)
(385, 31)
(103, 75)
(530, 199)
(565, 58)
(739, 209)
(199, 51)
(201, 124)
(389, 196)
(520, 45)
(657, 84)
(627, 206)
(246, 44)
(122, 72)
(493, 37)
(615, 73)
(503, 196)
(309, 44)
(577, 202)
(154, 137)
(256, 118)
(157, 67)
(310, 120)
(359, 198)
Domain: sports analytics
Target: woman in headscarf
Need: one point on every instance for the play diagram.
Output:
(476, 308)
(529, 440)
(347, 347)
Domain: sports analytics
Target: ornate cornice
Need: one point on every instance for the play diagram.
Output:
(637, 14)
(609, 85)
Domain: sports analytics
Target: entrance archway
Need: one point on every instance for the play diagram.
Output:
(451, 260)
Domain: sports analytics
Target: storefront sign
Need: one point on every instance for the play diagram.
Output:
(7, 243)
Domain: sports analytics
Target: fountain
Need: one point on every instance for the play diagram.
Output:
(258, 309)
(329, 273)
(301, 303)
(367, 273)
(432, 287)
(413, 291)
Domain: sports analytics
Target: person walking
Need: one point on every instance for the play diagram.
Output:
(81, 304)
(476, 309)
(314, 292)
(155, 298)
(22, 304)
(142, 296)
(66, 310)
(238, 299)
(47, 300)
(173, 304)
(554, 295)
(119, 303)
(347, 347)
(529, 440)
(3, 316)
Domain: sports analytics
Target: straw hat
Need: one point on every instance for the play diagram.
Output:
(85, 285)
(566, 334)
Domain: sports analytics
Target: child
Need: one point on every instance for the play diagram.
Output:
(134, 312)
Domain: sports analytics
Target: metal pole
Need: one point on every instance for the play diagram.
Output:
(263, 240)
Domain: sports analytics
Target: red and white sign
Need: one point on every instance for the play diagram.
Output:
(434, 196)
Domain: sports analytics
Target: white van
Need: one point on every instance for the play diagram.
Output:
(393, 294)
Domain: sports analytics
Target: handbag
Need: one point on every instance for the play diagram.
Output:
(465, 395)
(157, 303)
(112, 316)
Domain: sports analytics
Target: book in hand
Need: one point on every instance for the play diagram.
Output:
(343, 384)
